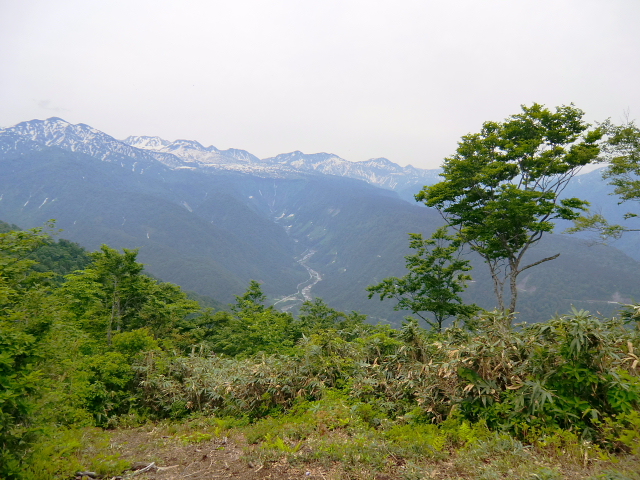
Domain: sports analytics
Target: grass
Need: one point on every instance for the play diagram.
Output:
(331, 440)
(454, 449)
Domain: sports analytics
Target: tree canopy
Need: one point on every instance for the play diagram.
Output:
(622, 153)
(501, 189)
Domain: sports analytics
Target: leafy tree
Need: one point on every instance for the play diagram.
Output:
(19, 382)
(622, 153)
(108, 289)
(436, 278)
(316, 316)
(112, 295)
(118, 275)
(251, 301)
(252, 327)
(24, 319)
(501, 188)
(17, 275)
(61, 257)
(8, 227)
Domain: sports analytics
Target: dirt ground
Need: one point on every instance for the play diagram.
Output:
(212, 459)
(187, 457)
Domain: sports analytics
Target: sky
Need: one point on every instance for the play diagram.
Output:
(362, 79)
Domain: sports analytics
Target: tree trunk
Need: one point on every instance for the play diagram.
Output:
(498, 287)
(513, 275)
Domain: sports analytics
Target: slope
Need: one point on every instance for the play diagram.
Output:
(97, 202)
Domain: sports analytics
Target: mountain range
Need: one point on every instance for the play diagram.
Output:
(303, 225)
(145, 152)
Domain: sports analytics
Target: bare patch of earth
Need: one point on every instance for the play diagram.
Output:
(212, 459)
(186, 455)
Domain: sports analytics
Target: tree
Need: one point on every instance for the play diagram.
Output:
(622, 152)
(17, 274)
(252, 327)
(436, 277)
(113, 295)
(316, 316)
(25, 316)
(501, 188)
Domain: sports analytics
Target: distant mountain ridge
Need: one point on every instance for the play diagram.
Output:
(144, 152)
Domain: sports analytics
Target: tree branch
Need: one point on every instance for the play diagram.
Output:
(539, 262)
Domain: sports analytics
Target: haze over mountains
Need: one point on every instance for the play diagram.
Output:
(302, 224)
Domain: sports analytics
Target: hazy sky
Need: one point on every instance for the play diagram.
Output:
(361, 79)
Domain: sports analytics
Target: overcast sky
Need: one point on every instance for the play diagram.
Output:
(361, 79)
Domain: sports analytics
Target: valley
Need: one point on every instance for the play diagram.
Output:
(303, 293)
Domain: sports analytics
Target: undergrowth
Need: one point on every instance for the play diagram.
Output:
(330, 433)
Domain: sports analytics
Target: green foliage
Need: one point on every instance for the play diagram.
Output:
(61, 257)
(112, 295)
(622, 152)
(251, 327)
(63, 452)
(317, 317)
(130, 344)
(225, 386)
(56, 366)
(436, 278)
(566, 373)
(18, 383)
(23, 320)
(597, 223)
(567, 386)
(109, 288)
(17, 277)
(8, 227)
(569, 373)
(110, 386)
(195, 437)
(501, 189)
(623, 431)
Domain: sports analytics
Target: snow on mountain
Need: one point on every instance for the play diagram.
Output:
(146, 143)
(55, 132)
(192, 152)
(377, 171)
(143, 152)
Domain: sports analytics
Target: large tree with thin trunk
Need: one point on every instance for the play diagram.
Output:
(501, 189)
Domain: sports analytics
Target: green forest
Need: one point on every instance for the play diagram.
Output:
(93, 349)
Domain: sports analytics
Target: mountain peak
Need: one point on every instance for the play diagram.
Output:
(192, 144)
(145, 142)
(381, 162)
(55, 120)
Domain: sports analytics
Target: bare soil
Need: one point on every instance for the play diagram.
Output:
(177, 456)
(212, 459)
